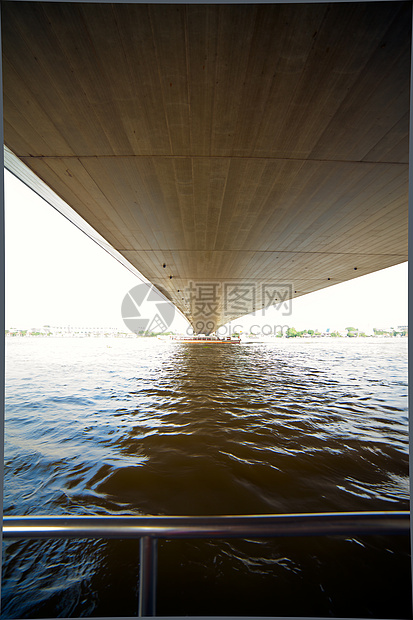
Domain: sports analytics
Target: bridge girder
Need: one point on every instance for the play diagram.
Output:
(230, 153)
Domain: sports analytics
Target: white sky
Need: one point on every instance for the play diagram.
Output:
(57, 276)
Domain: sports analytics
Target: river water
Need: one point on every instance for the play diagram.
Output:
(140, 426)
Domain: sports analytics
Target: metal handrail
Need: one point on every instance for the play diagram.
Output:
(150, 528)
(227, 526)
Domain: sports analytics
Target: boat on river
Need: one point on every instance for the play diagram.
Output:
(203, 339)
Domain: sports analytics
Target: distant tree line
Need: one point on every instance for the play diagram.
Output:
(352, 332)
(293, 333)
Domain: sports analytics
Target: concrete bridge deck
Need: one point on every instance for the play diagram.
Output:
(227, 146)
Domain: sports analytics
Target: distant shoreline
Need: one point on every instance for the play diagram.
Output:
(247, 339)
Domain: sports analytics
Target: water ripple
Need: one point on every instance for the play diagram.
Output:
(145, 427)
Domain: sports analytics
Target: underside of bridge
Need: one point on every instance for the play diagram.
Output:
(236, 155)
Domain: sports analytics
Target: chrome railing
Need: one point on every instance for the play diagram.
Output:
(150, 528)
